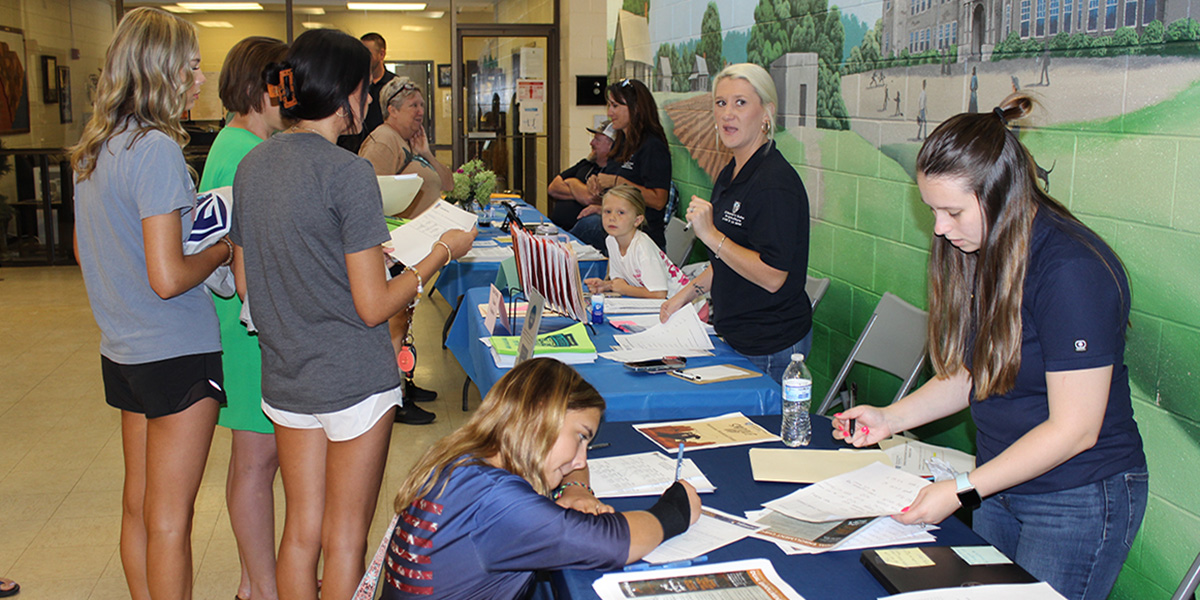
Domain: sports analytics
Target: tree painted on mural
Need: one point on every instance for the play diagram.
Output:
(710, 40)
(1181, 37)
(866, 56)
(682, 58)
(640, 8)
(783, 26)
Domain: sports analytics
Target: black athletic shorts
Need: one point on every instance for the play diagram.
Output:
(163, 387)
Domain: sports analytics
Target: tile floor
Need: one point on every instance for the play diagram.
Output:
(60, 447)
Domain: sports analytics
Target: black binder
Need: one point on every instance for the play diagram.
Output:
(947, 571)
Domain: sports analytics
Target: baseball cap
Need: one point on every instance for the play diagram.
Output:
(606, 129)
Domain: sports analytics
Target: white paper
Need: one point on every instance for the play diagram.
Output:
(610, 586)
(398, 191)
(487, 254)
(715, 529)
(643, 474)
(910, 456)
(682, 331)
(624, 356)
(872, 491)
(622, 306)
(587, 252)
(1001, 591)
(981, 555)
(414, 240)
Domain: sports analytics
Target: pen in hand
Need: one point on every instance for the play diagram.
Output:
(679, 462)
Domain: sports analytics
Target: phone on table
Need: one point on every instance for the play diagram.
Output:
(658, 365)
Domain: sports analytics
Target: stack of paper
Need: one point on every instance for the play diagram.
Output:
(645, 474)
(617, 305)
(682, 335)
(570, 345)
(754, 578)
(586, 252)
(839, 513)
(794, 536)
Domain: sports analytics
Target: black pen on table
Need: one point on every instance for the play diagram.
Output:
(598, 446)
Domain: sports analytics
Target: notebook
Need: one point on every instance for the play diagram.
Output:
(943, 567)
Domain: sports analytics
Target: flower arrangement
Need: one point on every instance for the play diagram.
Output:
(472, 184)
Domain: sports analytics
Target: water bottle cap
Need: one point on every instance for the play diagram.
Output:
(797, 357)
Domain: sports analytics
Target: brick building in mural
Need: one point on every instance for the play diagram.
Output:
(974, 27)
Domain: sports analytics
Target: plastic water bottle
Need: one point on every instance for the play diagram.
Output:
(797, 398)
(597, 309)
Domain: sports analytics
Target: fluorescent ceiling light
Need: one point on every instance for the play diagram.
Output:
(315, 10)
(179, 10)
(416, 28)
(220, 5)
(385, 5)
(315, 25)
(432, 14)
(216, 24)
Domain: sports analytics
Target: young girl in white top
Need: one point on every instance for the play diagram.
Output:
(636, 267)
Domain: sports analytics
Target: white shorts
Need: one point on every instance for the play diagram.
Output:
(342, 425)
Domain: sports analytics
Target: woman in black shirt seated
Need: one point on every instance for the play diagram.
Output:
(756, 230)
(639, 157)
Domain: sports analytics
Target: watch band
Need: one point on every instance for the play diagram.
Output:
(967, 495)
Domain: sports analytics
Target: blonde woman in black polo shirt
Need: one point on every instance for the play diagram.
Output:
(756, 230)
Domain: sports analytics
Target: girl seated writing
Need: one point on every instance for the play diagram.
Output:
(476, 515)
(636, 266)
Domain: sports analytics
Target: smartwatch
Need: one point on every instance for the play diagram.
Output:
(967, 496)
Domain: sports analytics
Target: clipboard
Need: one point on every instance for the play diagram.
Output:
(714, 374)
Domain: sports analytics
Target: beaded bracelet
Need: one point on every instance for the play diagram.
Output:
(228, 259)
(558, 492)
(420, 287)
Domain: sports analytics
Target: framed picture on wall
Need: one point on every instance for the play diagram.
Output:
(444, 76)
(14, 89)
(64, 95)
(49, 79)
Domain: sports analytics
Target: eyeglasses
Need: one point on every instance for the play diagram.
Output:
(407, 87)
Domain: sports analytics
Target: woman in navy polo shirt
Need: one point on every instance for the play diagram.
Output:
(1028, 309)
(756, 230)
(639, 157)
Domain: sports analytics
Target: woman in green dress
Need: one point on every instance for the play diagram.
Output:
(253, 460)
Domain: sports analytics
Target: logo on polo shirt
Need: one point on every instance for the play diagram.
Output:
(1081, 345)
(628, 165)
(736, 205)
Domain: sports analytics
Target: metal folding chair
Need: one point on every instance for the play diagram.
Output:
(679, 241)
(815, 288)
(1187, 587)
(893, 341)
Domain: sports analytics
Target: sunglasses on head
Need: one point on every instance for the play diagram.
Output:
(407, 87)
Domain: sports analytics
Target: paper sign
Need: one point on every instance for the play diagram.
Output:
(529, 329)
(981, 555)
(906, 558)
(495, 308)
(532, 120)
(531, 90)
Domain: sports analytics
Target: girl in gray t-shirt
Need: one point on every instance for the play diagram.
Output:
(160, 348)
(309, 222)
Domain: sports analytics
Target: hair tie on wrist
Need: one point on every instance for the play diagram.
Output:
(285, 90)
(999, 112)
(558, 492)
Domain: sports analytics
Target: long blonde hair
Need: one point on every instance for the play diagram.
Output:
(146, 77)
(517, 423)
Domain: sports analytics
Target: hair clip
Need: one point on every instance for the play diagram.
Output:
(285, 90)
(999, 112)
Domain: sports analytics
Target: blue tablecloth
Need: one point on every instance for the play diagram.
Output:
(458, 277)
(829, 576)
(630, 396)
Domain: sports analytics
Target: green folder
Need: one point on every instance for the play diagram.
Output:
(573, 339)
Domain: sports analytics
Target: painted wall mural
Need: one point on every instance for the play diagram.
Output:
(1117, 139)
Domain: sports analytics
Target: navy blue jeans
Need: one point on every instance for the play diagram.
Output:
(775, 364)
(1076, 539)
(590, 230)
